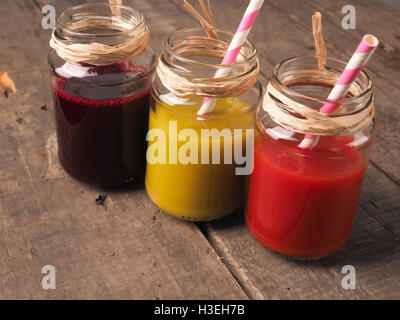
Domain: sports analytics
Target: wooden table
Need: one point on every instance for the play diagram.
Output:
(129, 249)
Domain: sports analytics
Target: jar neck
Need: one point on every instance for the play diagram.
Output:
(113, 47)
(104, 37)
(198, 57)
(296, 98)
(300, 79)
(97, 23)
(190, 65)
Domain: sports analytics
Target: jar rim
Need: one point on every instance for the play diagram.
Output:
(135, 14)
(205, 119)
(346, 100)
(168, 46)
(149, 70)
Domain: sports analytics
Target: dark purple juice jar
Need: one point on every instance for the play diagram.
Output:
(101, 111)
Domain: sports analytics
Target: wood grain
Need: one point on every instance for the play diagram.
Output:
(127, 248)
(374, 251)
(283, 30)
(124, 249)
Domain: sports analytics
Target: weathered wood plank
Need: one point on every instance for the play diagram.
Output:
(18, 48)
(123, 249)
(374, 251)
(126, 249)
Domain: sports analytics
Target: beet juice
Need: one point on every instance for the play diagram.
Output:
(101, 67)
(302, 202)
(101, 142)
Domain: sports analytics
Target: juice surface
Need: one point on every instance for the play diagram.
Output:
(199, 192)
(101, 141)
(302, 203)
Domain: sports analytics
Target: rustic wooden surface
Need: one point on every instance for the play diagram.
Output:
(127, 248)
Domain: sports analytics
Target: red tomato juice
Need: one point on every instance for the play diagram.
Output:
(302, 203)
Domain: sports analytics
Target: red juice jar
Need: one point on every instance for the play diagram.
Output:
(102, 110)
(302, 202)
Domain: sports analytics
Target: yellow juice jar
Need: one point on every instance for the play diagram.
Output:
(197, 166)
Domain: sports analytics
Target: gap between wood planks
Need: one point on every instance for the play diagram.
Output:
(240, 279)
(387, 175)
(37, 4)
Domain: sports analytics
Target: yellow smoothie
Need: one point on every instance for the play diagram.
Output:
(197, 190)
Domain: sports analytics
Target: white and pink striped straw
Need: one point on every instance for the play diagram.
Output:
(234, 48)
(363, 53)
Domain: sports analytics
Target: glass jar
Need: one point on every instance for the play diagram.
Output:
(101, 111)
(302, 202)
(190, 174)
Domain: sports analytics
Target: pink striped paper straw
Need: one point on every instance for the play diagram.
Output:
(234, 48)
(363, 53)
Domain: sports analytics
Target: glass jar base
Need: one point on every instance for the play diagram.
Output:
(106, 183)
(204, 217)
(293, 253)
(191, 219)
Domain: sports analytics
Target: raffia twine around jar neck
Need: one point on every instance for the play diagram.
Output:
(96, 35)
(183, 70)
(300, 113)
